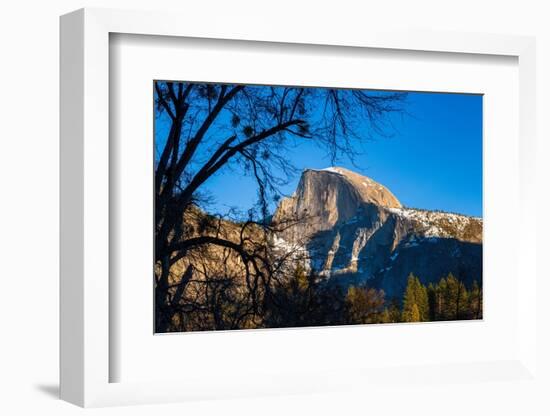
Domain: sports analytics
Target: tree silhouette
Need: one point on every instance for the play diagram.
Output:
(214, 127)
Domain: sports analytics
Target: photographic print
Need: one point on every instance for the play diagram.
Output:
(290, 206)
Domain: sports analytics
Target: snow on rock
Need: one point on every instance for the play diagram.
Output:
(441, 224)
(331, 169)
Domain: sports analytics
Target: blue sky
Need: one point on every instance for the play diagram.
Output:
(432, 160)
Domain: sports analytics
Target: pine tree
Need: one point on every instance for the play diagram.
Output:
(416, 297)
(454, 298)
(415, 313)
(475, 302)
(432, 302)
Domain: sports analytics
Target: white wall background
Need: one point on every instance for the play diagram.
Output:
(29, 209)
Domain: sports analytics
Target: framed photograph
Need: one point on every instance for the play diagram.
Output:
(254, 231)
(277, 213)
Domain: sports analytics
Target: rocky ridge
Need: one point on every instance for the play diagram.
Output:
(355, 230)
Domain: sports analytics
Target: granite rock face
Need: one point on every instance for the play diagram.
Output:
(355, 230)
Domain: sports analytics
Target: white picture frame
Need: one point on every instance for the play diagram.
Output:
(85, 220)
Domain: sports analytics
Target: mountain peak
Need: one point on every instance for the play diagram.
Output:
(332, 196)
(368, 189)
(354, 229)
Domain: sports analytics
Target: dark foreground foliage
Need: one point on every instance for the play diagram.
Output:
(305, 301)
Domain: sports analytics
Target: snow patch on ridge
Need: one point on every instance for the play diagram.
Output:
(333, 170)
(435, 223)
